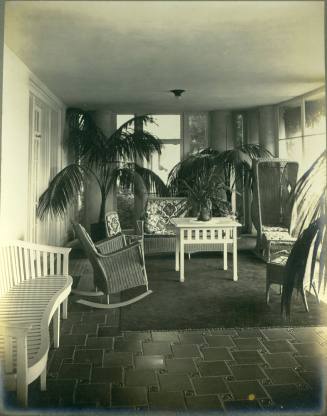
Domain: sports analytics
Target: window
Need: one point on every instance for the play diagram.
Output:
(167, 129)
(302, 129)
(122, 118)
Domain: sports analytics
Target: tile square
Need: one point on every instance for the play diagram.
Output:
(128, 396)
(246, 390)
(74, 316)
(314, 379)
(100, 342)
(209, 385)
(168, 336)
(175, 382)
(284, 396)
(247, 343)
(59, 355)
(156, 348)
(213, 368)
(76, 339)
(247, 357)
(283, 376)
(280, 359)
(309, 363)
(222, 331)
(281, 345)
(205, 402)
(118, 359)
(249, 333)
(108, 331)
(61, 389)
(107, 375)
(277, 333)
(180, 365)
(185, 350)
(150, 362)
(219, 341)
(247, 372)
(93, 393)
(88, 356)
(66, 327)
(305, 334)
(191, 338)
(140, 378)
(242, 406)
(94, 318)
(127, 345)
(164, 400)
(75, 371)
(137, 336)
(85, 328)
(308, 348)
(216, 354)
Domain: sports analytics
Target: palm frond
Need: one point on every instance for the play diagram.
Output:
(130, 146)
(128, 174)
(62, 191)
(308, 196)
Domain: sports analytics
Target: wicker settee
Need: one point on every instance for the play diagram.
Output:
(156, 230)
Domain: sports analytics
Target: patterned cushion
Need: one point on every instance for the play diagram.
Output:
(160, 211)
(278, 236)
(266, 228)
(112, 224)
(281, 260)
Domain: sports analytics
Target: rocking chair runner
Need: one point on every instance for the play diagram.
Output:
(114, 271)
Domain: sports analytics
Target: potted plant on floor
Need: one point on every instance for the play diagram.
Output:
(311, 246)
(108, 160)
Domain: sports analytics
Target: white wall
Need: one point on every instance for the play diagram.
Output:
(15, 146)
(15, 135)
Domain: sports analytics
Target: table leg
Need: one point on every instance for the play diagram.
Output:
(235, 277)
(177, 252)
(225, 257)
(181, 257)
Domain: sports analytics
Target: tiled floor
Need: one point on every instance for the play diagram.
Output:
(102, 368)
(99, 367)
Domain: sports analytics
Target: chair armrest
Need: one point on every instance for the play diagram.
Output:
(130, 239)
(110, 245)
(140, 227)
(135, 247)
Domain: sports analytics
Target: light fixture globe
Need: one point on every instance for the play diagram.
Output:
(177, 93)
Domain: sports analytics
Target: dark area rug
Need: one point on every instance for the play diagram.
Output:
(210, 299)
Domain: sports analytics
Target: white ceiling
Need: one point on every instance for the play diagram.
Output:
(126, 56)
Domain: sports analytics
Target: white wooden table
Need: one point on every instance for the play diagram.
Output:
(219, 230)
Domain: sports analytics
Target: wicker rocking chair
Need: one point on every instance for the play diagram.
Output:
(271, 210)
(116, 268)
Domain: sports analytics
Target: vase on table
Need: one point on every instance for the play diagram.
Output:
(205, 211)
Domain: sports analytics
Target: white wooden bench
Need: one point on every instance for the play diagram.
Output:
(34, 282)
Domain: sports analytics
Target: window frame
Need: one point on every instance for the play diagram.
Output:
(299, 100)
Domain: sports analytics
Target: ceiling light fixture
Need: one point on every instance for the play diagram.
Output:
(177, 93)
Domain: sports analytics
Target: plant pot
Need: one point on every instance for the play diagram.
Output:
(204, 213)
(98, 231)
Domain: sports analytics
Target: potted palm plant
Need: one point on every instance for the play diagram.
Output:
(108, 160)
(215, 174)
(309, 222)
